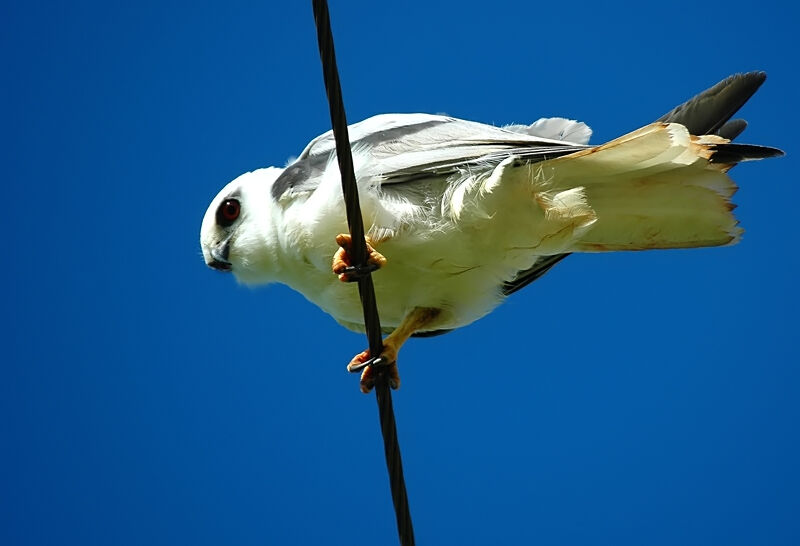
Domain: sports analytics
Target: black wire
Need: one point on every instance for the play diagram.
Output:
(358, 253)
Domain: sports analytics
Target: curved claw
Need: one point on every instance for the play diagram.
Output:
(382, 360)
(370, 367)
(354, 273)
(356, 365)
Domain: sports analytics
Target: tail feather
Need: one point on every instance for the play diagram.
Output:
(654, 188)
(663, 194)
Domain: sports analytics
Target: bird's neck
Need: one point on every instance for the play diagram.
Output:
(270, 254)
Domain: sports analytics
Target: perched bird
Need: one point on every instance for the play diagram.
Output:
(467, 214)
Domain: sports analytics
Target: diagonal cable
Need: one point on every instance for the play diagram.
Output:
(366, 289)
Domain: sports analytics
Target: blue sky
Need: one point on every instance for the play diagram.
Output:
(647, 398)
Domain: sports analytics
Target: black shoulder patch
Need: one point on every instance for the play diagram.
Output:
(297, 176)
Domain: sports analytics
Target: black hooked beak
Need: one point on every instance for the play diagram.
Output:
(219, 256)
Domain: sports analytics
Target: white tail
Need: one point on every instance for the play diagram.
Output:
(653, 188)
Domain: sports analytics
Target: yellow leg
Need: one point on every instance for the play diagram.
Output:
(418, 319)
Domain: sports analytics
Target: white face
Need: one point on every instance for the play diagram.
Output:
(230, 235)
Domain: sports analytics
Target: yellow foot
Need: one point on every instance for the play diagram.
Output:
(342, 261)
(368, 376)
(418, 319)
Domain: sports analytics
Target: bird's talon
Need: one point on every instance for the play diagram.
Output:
(359, 362)
(353, 273)
(343, 264)
(362, 360)
(370, 367)
(369, 376)
(380, 361)
(356, 367)
(367, 380)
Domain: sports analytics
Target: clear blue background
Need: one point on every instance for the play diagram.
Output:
(647, 398)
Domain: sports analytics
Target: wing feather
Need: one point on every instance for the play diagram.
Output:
(402, 148)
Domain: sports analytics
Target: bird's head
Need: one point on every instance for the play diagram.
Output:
(235, 234)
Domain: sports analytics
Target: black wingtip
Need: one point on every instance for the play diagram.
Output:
(758, 75)
(754, 76)
(708, 111)
(736, 153)
(745, 83)
(732, 129)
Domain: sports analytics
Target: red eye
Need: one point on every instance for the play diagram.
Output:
(228, 212)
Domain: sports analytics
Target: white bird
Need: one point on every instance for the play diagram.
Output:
(468, 213)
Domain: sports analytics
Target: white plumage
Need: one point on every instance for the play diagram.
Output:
(461, 209)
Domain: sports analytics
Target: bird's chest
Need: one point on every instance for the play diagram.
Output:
(445, 277)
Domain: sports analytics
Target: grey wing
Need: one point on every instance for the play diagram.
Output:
(403, 148)
(446, 145)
